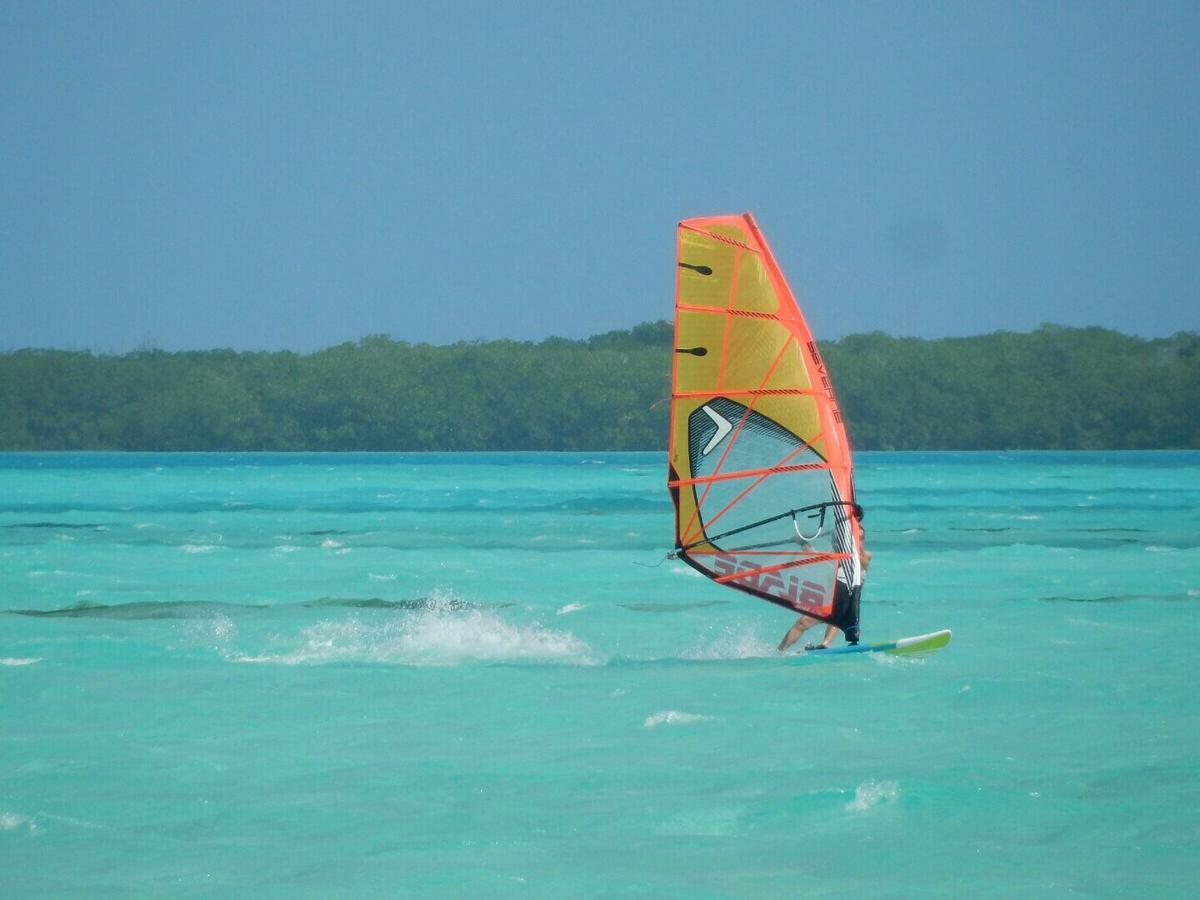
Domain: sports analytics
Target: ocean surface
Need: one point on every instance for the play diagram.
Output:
(475, 675)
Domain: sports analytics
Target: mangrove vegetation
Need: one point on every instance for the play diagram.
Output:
(1053, 388)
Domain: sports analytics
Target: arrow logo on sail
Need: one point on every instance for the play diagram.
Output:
(724, 426)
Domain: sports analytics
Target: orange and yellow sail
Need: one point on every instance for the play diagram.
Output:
(760, 467)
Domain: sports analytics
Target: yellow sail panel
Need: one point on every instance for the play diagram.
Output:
(754, 291)
(791, 373)
(760, 468)
(757, 350)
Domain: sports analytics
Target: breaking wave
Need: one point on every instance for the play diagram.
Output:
(438, 634)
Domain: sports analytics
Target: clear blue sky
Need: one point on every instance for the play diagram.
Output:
(294, 175)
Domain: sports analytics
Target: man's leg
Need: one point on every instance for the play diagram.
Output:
(793, 635)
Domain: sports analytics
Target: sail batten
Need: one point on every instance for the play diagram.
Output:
(718, 237)
(749, 473)
(760, 467)
(728, 313)
(748, 392)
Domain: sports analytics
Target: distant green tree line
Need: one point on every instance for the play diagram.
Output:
(1053, 388)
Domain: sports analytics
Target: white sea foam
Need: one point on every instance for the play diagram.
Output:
(371, 576)
(673, 717)
(13, 821)
(872, 793)
(198, 548)
(443, 634)
(331, 544)
(570, 608)
(286, 548)
(734, 642)
(19, 660)
(216, 630)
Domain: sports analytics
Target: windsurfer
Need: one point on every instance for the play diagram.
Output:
(760, 461)
(845, 608)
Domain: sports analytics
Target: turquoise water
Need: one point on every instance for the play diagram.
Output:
(474, 675)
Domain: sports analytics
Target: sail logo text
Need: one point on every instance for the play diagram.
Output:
(824, 374)
(785, 585)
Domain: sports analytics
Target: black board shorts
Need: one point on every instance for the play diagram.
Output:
(845, 609)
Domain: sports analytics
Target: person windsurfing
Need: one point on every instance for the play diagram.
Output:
(758, 454)
(847, 593)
